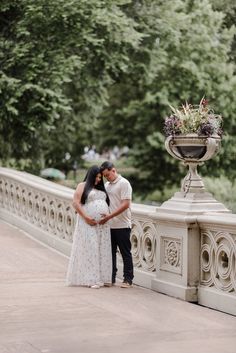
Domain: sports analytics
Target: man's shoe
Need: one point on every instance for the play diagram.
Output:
(126, 284)
(108, 284)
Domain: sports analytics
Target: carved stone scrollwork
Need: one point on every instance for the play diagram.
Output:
(12, 194)
(172, 254)
(70, 219)
(218, 260)
(193, 150)
(135, 239)
(7, 193)
(23, 205)
(60, 220)
(30, 205)
(17, 199)
(148, 247)
(44, 212)
(171, 258)
(143, 240)
(51, 214)
(37, 206)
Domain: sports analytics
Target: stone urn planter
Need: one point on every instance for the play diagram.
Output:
(193, 135)
(192, 150)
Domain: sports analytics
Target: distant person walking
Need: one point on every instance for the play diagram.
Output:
(119, 191)
(90, 262)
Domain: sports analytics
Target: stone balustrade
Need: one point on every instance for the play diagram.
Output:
(40, 207)
(44, 210)
(217, 283)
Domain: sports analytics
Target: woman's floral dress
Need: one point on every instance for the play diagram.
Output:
(91, 259)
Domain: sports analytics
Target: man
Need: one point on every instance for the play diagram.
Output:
(120, 193)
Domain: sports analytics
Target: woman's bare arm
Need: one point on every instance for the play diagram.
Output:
(78, 207)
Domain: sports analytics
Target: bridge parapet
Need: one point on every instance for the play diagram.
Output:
(40, 207)
(217, 283)
(44, 210)
(192, 257)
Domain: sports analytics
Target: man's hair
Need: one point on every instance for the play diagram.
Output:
(106, 165)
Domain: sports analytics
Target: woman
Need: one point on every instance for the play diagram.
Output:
(90, 261)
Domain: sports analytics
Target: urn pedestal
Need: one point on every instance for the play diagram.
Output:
(179, 251)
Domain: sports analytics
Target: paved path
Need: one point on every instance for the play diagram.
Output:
(38, 313)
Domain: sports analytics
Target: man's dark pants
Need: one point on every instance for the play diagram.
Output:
(120, 238)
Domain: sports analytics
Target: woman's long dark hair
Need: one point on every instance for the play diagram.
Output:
(90, 184)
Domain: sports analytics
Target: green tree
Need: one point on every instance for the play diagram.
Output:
(57, 62)
(185, 56)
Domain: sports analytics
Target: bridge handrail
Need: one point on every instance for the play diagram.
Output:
(44, 210)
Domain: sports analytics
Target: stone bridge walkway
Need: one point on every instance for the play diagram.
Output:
(39, 314)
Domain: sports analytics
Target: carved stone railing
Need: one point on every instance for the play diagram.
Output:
(44, 210)
(218, 259)
(40, 207)
(145, 240)
(204, 246)
(217, 287)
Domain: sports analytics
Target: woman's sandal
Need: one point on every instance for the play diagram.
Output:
(95, 286)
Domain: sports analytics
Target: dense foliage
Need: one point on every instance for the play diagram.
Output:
(57, 61)
(187, 55)
(104, 72)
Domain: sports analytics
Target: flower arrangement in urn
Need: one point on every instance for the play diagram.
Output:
(191, 119)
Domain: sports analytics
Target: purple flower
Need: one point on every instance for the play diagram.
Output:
(206, 129)
(172, 125)
(188, 118)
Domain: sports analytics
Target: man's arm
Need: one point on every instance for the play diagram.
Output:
(123, 206)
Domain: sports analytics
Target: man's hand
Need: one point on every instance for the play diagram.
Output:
(104, 219)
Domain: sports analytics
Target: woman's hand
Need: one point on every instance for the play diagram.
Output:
(90, 221)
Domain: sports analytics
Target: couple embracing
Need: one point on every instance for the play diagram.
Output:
(103, 225)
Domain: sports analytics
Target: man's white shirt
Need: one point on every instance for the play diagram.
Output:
(119, 190)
